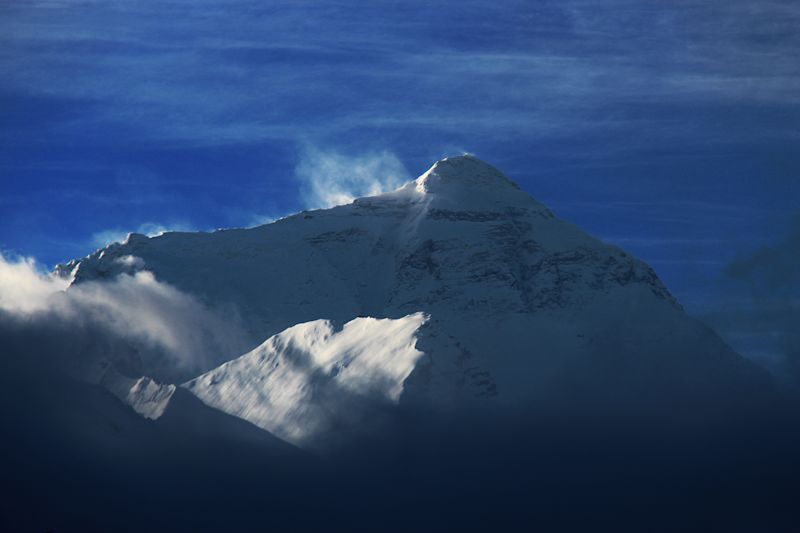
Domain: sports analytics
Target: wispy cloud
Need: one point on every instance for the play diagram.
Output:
(164, 72)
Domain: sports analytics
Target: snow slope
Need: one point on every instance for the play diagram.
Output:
(299, 382)
(525, 308)
(145, 396)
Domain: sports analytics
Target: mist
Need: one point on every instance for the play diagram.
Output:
(758, 305)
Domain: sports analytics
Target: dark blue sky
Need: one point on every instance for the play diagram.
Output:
(670, 128)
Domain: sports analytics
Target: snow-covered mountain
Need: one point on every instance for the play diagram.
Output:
(523, 308)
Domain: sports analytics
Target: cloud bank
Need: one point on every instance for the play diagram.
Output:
(23, 289)
(140, 323)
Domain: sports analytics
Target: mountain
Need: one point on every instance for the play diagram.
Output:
(522, 310)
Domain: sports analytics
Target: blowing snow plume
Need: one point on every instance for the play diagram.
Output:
(328, 178)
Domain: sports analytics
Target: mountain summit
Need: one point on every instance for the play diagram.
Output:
(462, 182)
(462, 171)
(522, 309)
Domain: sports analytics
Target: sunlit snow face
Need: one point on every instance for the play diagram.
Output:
(303, 381)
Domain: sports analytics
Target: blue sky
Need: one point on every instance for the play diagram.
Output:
(670, 128)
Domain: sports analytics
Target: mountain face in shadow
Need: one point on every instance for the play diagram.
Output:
(461, 359)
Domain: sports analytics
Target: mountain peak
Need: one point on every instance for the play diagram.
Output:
(462, 171)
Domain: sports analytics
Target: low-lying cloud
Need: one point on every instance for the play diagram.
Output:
(329, 178)
(760, 309)
(144, 325)
(23, 289)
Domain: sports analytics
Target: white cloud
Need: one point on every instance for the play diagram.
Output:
(174, 334)
(130, 261)
(25, 290)
(329, 178)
